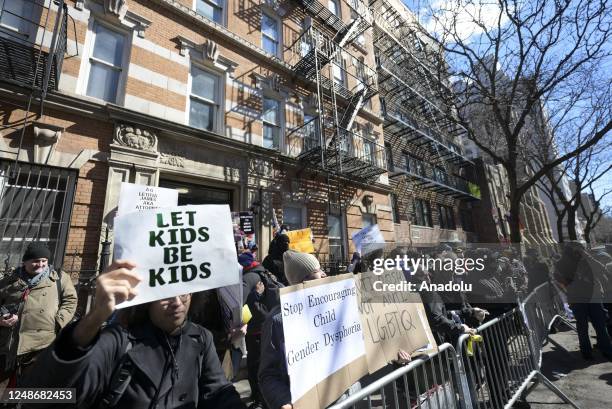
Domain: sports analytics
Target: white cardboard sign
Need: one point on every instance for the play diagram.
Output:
(178, 250)
(136, 198)
(368, 236)
(323, 332)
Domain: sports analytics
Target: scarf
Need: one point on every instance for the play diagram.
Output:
(32, 281)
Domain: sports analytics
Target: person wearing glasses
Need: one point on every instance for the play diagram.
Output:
(157, 359)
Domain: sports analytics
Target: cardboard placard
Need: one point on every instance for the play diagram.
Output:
(136, 198)
(178, 250)
(324, 344)
(391, 321)
(301, 240)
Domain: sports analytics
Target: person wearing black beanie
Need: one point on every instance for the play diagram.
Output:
(37, 301)
(36, 251)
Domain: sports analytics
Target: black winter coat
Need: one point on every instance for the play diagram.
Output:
(273, 374)
(259, 304)
(199, 383)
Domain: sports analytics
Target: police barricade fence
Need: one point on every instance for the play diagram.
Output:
(541, 309)
(428, 382)
(498, 370)
(491, 371)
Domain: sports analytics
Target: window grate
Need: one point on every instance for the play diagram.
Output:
(35, 204)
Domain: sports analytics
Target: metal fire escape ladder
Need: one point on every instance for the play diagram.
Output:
(29, 66)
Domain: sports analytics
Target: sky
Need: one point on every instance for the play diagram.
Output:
(488, 13)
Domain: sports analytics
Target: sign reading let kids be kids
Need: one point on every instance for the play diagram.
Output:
(177, 250)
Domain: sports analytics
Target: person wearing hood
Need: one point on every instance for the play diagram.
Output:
(273, 262)
(159, 359)
(260, 294)
(36, 301)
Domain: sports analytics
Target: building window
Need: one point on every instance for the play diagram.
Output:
(211, 9)
(414, 166)
(334, 7)
(35, 205)
(440, 175)
(203, 101)
(106, 63)
(334, 228)
(369, 150)
(389, 154)
(294, 217)
(16, 16)
(270, 37)
(467, 221)
(368, 219)
(422, 213)
(395, 208)
(447, 217)
(339, 71)
(271, 123)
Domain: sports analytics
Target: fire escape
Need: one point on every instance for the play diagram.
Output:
(416, 121)
(330, 140)
(33, 42)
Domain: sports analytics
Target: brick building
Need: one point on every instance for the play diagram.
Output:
(432, 179)
(267, 106)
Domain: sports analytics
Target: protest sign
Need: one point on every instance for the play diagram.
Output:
(246, 223)
(244, 229)
(324, 345)
(178, 250)
(301, 240)
(391, 320)
(135, 198)
(368, 236)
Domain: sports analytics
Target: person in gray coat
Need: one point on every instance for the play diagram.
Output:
(156, 359)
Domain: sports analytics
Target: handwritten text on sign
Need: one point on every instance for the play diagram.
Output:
(178, 250)
(323, 332)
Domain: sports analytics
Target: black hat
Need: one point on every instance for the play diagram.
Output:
(36, 250)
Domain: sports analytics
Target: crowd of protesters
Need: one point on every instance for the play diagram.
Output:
(160, 355)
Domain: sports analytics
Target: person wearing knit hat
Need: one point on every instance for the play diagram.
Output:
(273, 377)
(30, 323)
(36, 251)
(300, 267)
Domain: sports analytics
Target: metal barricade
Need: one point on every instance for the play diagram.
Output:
(498, 370)
(429, 382)
(541, 309)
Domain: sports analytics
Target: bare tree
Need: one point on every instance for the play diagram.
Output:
(520, 63)
(603, 229)
(584, 171)
(594, 213)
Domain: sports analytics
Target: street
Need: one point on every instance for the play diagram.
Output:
(587, 383)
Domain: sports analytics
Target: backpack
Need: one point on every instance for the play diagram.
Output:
(269, 280)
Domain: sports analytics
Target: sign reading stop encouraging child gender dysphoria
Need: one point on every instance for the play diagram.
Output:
(177, 250)
(324, 342)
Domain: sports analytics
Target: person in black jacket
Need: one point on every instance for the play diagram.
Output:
(158, 360)
(273, 262)
(260, 293)
(273, 374)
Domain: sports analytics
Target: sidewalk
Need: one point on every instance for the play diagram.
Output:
(587, 383)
